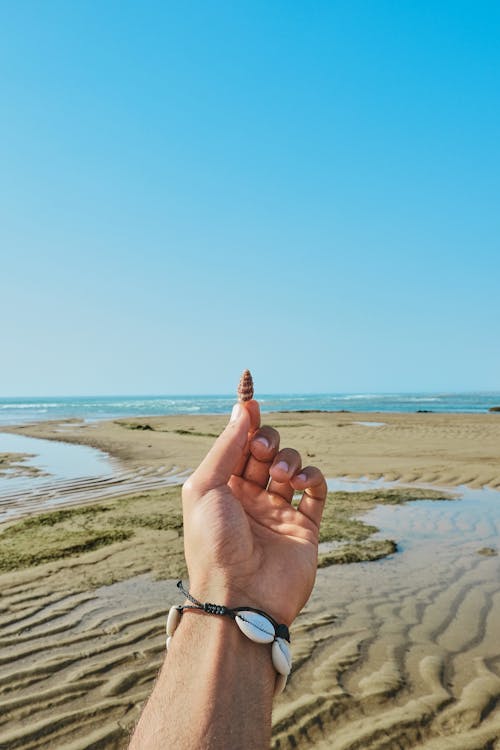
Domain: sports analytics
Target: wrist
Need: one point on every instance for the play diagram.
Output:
(224, 654)
(233, 595)
(258, 627)
(215, 687)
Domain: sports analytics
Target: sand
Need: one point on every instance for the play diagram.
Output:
(402, 652)
(443, 449)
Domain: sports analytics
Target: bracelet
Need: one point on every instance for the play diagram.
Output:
(257, 625)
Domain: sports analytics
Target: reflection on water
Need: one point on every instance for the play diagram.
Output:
(342, 484)
(471, 521)
(71, 474)
(60, 460)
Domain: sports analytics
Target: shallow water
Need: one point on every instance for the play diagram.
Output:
(71, 474)
(471, 521)
(344, 484)
(54, 458)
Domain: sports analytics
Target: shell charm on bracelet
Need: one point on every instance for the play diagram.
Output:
(282, 658)
(255, 626)
(280, 684)
(245, 387)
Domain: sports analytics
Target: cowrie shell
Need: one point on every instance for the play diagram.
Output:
(280, 684)
(282, 658)
(173, 619)
(255, 626)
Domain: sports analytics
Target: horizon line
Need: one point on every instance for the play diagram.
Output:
(442, 392)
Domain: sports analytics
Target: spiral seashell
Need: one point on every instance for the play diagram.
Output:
(255, 626)
(173, 619)
(282, 658)
(245, 387)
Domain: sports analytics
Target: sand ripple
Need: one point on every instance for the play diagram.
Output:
(76, 668)
(412, 661)
(401, 653)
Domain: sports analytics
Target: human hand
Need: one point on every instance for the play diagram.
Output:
(245, 544)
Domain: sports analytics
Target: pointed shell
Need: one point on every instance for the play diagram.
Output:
(280, 684)
(282, 658)
(173, 619)
(255, 626)
(245, 387)
(169, 641)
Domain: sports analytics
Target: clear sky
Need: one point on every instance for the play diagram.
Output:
(311, 190)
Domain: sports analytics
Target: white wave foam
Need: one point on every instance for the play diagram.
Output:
(29, 406)
(360, 396)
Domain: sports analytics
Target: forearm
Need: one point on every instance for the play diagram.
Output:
(245, 543)
(214, 690)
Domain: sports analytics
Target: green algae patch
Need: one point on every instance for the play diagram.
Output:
(358, 552)
(178, 431)
(143, 532)
(150, 521)
(55, 517)
(340, 523)
(136, 426)
(196, 433)
(487, 552)
(56, 546)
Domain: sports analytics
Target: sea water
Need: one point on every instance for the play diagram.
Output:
(25, 409)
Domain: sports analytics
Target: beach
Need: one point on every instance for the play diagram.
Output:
(397, 652)
(424, 448)
(309, 191)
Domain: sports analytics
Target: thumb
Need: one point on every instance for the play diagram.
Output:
(225, 454)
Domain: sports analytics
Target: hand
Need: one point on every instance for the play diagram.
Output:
(244, 541)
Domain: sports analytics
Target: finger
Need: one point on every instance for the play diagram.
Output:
(264, 446)
(224, 456)
(286, 463)
(253, 410)
(313, 483)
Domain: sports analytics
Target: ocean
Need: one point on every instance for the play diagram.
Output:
(25, 409)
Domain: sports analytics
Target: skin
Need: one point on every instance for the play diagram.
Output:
(245, 544)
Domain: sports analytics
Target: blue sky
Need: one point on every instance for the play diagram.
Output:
(310, 190)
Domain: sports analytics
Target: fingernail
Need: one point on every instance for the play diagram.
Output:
(302, 477)
(236, 413)
(282, 465)
(262, 440)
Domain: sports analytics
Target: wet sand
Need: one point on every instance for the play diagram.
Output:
(399, 653)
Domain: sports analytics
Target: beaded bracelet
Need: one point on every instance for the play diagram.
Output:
(257, 625)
